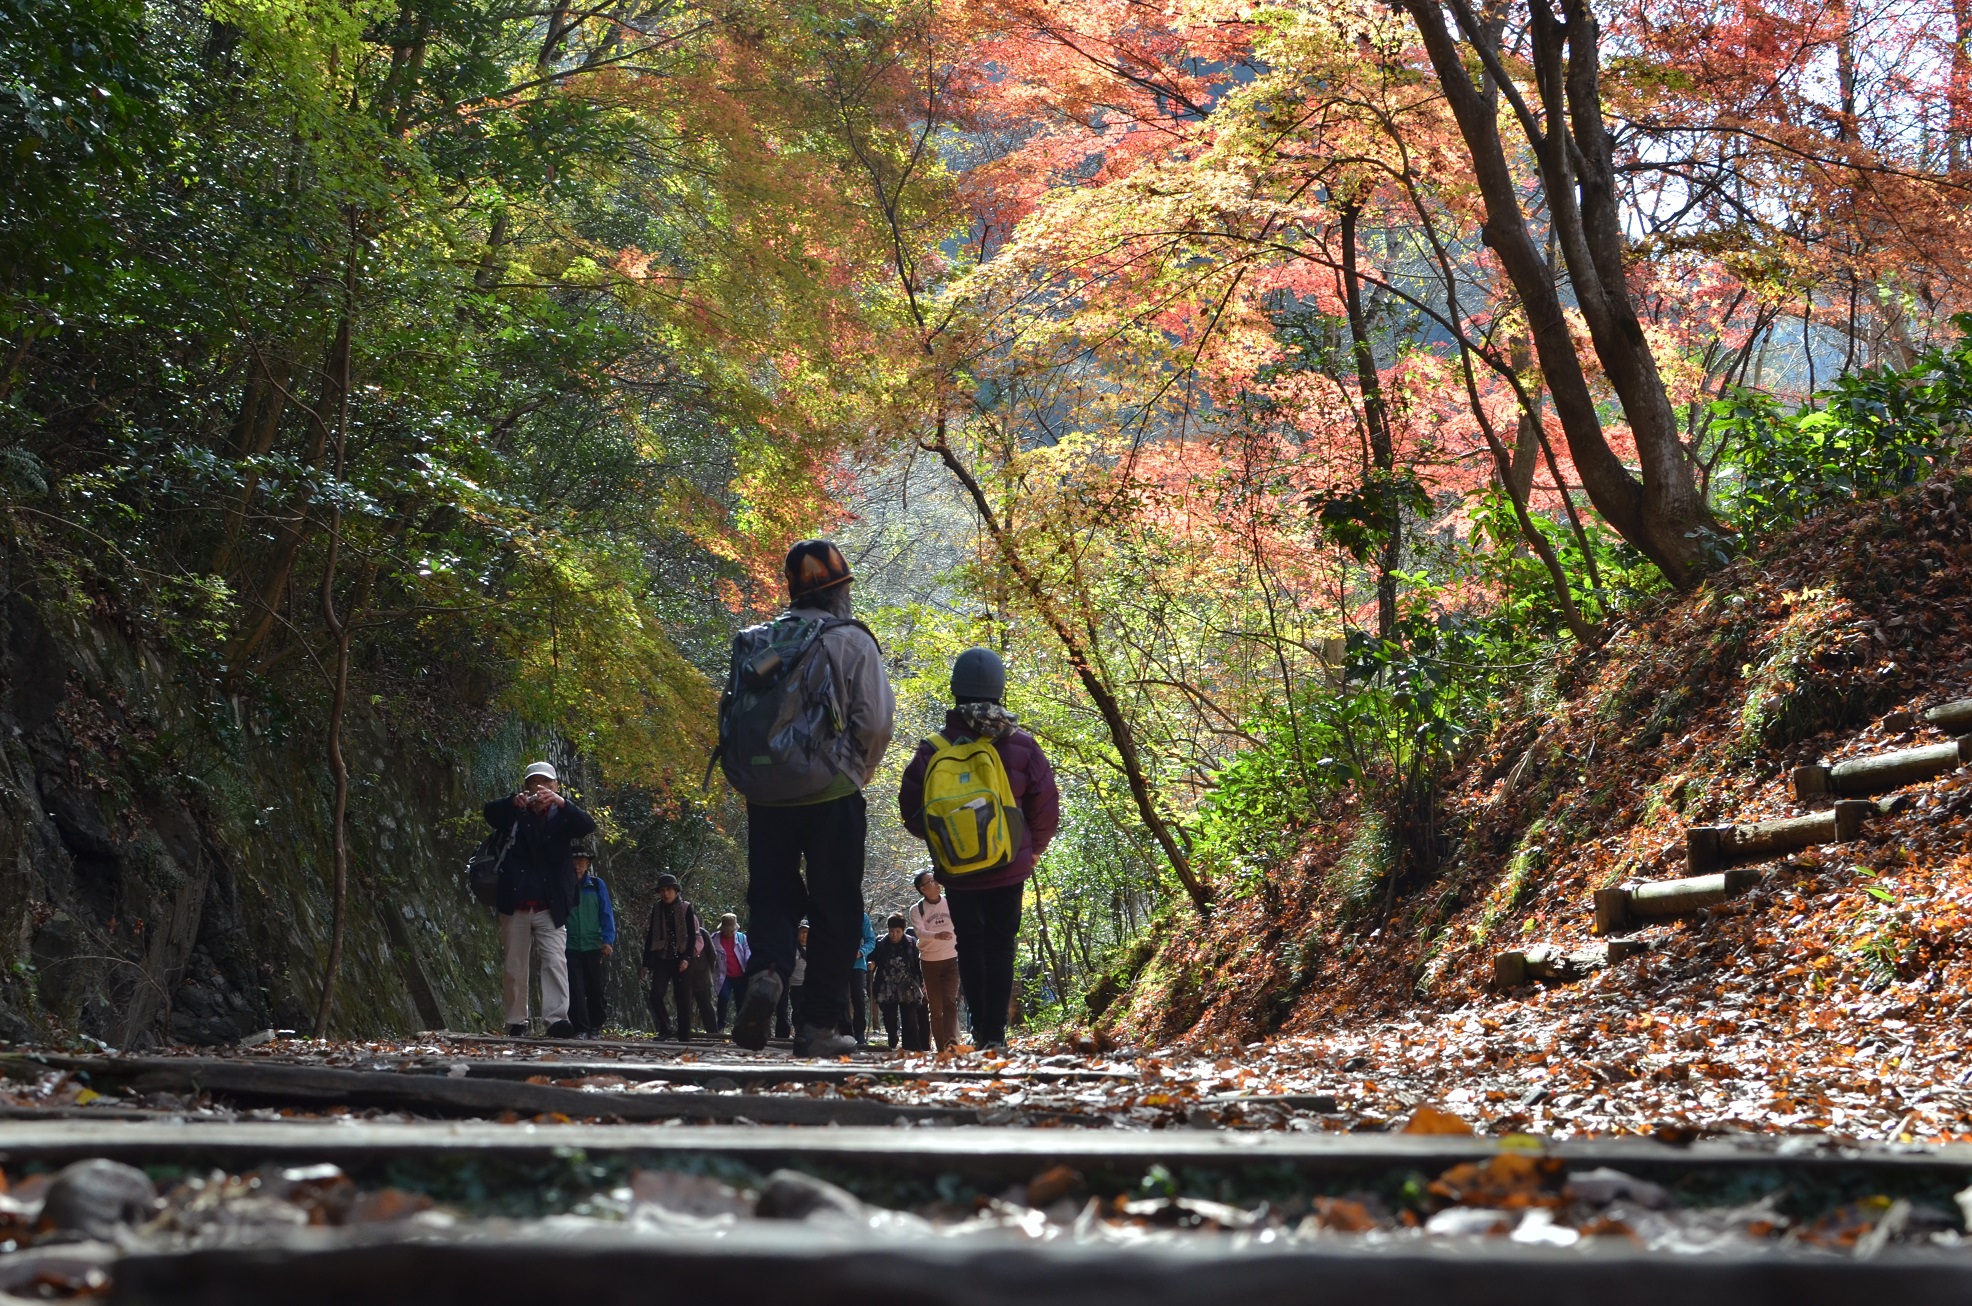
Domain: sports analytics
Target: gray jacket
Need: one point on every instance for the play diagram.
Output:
(870, 708)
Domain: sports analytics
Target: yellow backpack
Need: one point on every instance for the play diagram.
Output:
(971, 822)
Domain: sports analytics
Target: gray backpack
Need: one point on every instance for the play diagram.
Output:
(780, 726)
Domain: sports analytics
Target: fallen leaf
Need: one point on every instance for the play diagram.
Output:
(1428, 1119)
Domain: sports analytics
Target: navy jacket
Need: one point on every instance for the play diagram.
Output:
(542, 864)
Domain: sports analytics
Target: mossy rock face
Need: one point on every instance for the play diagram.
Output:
(1112, 984)
(165, 856)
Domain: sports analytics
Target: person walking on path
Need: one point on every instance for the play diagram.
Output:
(591, 938)
(536, 892)
(670, 940)
(733, 956)
(897, 983)
(705, 978)
(985, 902)
(938, 954)
(804, 721)
(857, 1026)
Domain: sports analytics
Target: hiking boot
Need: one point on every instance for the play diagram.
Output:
(756, 1013)
(517, 1031)
(561, 1029)
(822, 1041)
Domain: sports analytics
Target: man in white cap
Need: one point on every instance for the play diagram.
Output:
(537, 891)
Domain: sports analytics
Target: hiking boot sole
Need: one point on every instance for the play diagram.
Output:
(756, 1014)
(820, 1041)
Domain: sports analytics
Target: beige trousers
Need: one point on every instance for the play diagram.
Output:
(941, 992)
(522, 932)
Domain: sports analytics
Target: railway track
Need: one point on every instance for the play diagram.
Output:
(837, 1206)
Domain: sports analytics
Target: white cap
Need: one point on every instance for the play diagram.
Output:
(544, 769)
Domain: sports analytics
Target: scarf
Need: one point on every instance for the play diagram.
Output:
(987, 720)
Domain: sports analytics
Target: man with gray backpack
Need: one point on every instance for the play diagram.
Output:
(804, 721)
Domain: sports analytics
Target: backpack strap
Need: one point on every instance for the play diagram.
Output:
(836, 623)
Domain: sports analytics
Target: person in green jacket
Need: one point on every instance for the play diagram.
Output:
(591, 938)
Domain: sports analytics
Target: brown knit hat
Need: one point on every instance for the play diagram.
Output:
(813, 566)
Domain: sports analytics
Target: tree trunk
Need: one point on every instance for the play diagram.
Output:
(1048, 953)
(340, 626)
(1120, 734)
(261, 407)
(293, 533)
(1663, 514)
(1376, 420)
(886, 196)
(1958, 112)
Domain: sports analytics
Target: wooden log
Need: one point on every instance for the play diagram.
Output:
(321, 1087)
(1618, 909)
(1612, 910)
(1861, 776)
(1713, 847)
(1655, 898)
(1547, 962)
(1955, 717)
(1555, 965)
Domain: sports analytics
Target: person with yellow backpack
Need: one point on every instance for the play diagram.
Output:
(983, 797)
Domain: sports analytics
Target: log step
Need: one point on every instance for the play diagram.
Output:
(1620, 908)
(1711, 848)
(1882, 773)
(1556, 965)
(1955, 717)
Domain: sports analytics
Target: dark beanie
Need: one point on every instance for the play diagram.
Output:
(666, 882)
(813, 566)
(979, 674)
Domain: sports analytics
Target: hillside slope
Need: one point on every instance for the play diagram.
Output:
(1827, 997)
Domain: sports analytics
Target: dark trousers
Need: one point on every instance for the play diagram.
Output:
(857, 1026)
(702, 994)
(788, 1018)
(665, 975)
(907, 1019)
(828, 838)
(987, 923)
(730, 992)
(586, 1008)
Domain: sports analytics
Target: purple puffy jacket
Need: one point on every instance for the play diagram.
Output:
(1034, 790)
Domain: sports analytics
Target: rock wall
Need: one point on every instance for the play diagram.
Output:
(164, 854)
